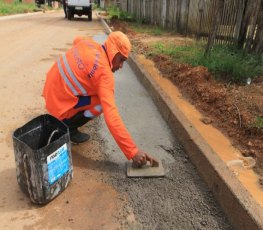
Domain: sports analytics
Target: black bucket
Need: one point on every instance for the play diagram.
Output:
(43, 158)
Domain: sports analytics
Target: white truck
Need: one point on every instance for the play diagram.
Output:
(79, 7)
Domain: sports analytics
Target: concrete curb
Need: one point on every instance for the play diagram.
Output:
(241, 209)
(107, 28)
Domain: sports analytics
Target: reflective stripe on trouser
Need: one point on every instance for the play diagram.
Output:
(93, 112)
(94, 109)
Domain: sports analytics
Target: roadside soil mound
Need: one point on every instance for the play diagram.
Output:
(229, 107)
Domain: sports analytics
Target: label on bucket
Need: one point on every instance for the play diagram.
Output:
(57, 164)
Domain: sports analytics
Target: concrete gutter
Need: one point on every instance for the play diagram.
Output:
(241, 209)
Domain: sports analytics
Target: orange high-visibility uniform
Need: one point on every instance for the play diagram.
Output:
(85, 70)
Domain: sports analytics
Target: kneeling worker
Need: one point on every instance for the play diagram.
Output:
(80, 86)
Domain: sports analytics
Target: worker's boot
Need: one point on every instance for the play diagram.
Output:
(74, 123)
(78, 137)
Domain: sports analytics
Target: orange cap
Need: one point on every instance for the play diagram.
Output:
(121, 42)
(117, 42)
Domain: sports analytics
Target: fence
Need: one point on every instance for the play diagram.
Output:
(196, 17)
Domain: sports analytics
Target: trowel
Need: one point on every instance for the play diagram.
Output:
(148, 170)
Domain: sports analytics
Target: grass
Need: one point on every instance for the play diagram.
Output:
(140, 27)
(224, 61)
(115, 12)
(137, 25)
(258, 122)
(97, 7)
(16, 8)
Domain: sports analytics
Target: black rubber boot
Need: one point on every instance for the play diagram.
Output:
(73, 123)
(78, 137)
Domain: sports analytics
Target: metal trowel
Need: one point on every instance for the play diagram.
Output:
(147, 170)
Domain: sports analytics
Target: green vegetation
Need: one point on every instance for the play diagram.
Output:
(224, 61)
(16, 7)
(258, 122)
(97, 7)
(137, 25)
(140, 27)
(115, 12)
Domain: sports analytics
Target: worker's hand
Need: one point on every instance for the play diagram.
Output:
(141, 158)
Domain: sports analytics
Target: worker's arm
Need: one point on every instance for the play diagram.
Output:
(120, 133)
(113, 119)
(117, 128)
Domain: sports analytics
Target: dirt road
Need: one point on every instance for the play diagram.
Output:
(100, 196)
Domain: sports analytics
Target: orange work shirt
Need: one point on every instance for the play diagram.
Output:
(91, 65)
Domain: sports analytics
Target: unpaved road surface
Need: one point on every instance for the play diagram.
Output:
(99, 196)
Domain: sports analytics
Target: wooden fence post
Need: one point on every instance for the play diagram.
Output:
(255, 5)
(164, 13)
(187, 17)
(215, 24)
(178, 16)
(245, 23)
(240, 12)
(201, 6)
(258, 42)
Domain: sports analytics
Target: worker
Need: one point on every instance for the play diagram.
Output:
(80, 86)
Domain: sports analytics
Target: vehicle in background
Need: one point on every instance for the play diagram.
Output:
(79, 7)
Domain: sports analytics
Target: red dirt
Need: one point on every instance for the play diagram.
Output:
(230, 108)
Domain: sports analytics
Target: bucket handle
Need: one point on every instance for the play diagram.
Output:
(50, 137)
(29, 185)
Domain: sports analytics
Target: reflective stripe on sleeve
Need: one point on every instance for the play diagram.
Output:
(88, 114)
(98, 108)
(62, 73)
(75, 80)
